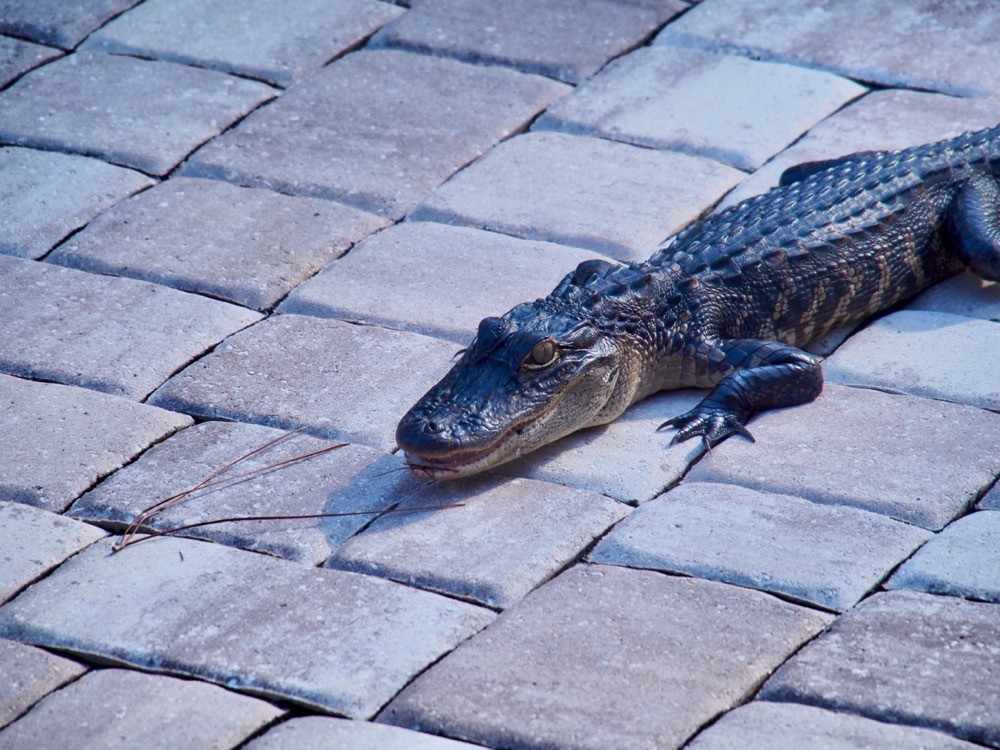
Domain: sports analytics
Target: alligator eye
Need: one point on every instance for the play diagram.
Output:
(542, 354)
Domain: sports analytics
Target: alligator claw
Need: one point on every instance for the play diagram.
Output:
(713, 425)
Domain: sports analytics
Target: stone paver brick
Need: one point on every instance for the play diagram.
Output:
(245, 245)
(376, 129)
(322, 733)
(56, 441)
(327, 639)
(485, 550)
(126, 709)
(963, 560)
(606, 657)
(924, 354)
(580, 35)
(341, 381)
(905, 658)
(830, 556)
(137, 113)
(33, 541)
(28, 674)
(900, 43)
(46, 196)
(57, 22)
(434, 279)
(991, 500)
(245, 37)
(787, 726)
(965, 294)
(119, 336)
(713, 105)
(344, 480)
(572, 189)
(917, 460)
(17, 57)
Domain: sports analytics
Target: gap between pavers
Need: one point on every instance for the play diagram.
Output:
(28, 675)
(17, 57)
(59, 23)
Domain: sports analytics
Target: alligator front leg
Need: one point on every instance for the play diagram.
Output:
(762, 375)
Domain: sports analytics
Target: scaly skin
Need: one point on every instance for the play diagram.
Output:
(725, 306)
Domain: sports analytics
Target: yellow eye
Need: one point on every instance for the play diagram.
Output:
(542, 354)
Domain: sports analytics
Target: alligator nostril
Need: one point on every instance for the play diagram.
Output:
(434, 426)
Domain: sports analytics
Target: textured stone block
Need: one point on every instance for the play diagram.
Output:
(207, 236)
(905, 658)
(44, 197)
(321, 733)
(573, 190)
(114, 335)
(28, 674)
(56, 441)
(18, 57)
(991, 500)
(606, 657)
(327, 639)
(57, 22)
(712, 105)
(965, 294)
(137, 113)
(830, 556)
(376, 129)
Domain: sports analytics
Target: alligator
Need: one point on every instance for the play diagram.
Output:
(727, 306)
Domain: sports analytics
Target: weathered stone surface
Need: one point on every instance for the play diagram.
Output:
(925, 354)
(965, 294)
(207, 236)
(902, 43)
(27, 674)
(606, 657)
(712, 105)
(991, 500)
(830, 556)
(56, 441)
(434, 279)
(508, 536)
(57, 22)
(569, 189)
(45, 196)
(324, 638)
(17, 57)
(321, 733)
(377, 129)
(916, 460)
(244, 36)
(126, 709)
(761, 725)
(119, 336)
(344, 480)
(580, 35)
(33, 541)
(905, 658)
(137, 113)
(962, 560)
(341, 381)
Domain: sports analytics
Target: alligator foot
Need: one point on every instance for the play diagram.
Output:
(713, 425)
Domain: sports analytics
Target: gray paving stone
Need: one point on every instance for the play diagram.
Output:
(580, 35)
(127, 709)
(57, 22)
(786, 726)
(327, 639)
(830, 556)
(606, 657)
(119, 336)
(991, 500)
(27, 674)
(712, 105)
(243, 37)
(33, 541)
(46, 196)
(207, 236)
(434, 279)
(965, 294)
(137, 113)
(611, 197)
(18, 57)
(924, 354)
(962, 560)
(913, 459)
(376, 129)
(899, 44)
(344, 480)
(483, 551)
(56, 441)
(341, 381)
(905, 658)
(321, 733)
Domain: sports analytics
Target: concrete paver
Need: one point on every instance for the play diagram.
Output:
(127, 709)
(830, 556)
(905, 658)
(251, 247)
(965, 294)
(991, 500)
(18, 56)
(28, 674)
(244, 620)
(46, 196)
(606, 657)
(320, 733)
(58, 23)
